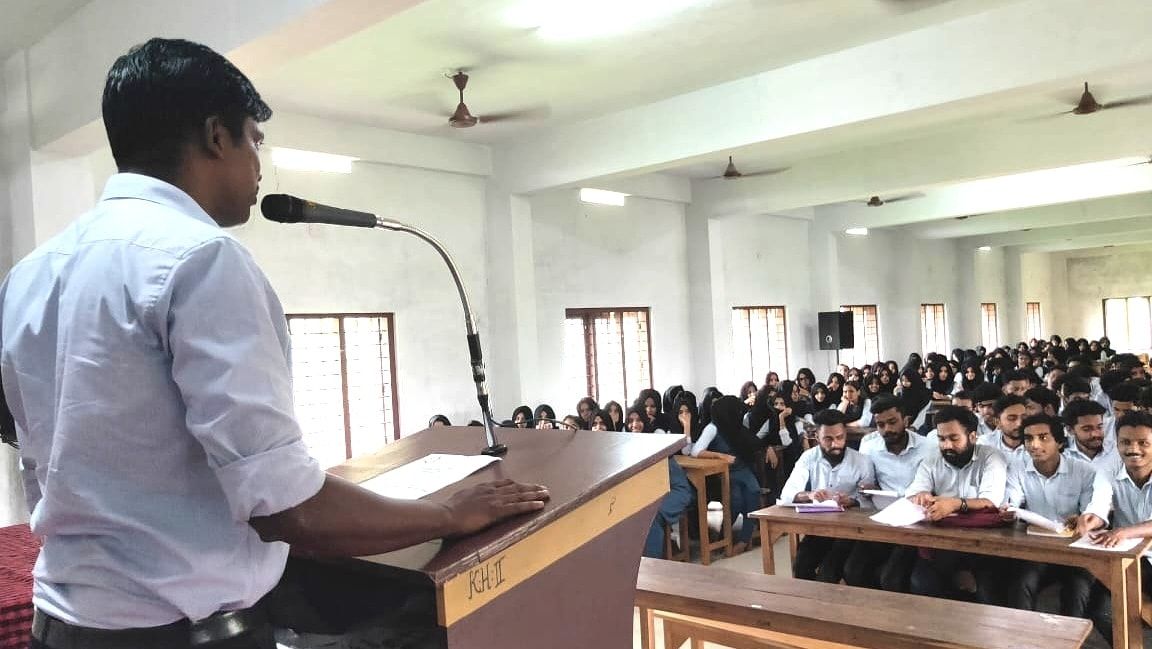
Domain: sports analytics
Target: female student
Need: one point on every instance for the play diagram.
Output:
(727, 438)
(856, 409)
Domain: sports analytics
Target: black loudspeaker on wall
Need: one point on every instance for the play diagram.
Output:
(836, 331)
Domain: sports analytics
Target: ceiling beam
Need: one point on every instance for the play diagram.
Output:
(1047, 216)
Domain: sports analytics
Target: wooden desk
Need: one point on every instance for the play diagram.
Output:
(1120, 571)
(698, 470)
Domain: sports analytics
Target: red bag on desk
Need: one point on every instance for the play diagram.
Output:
(989, 517)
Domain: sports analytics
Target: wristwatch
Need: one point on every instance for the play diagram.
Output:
(963, 505)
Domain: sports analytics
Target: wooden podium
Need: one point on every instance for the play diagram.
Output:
(561, 578)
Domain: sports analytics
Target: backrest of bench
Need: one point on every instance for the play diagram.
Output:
(853, 616)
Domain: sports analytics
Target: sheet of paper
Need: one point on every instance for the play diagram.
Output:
(900, 513)
(1123, 546)
(887, 493)
(430, 473)
(1032, 518)
(824, 504)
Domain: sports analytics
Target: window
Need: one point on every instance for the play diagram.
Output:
(343, 370)
(866, 334)
(759, 343)
(933, 329)
(607, 353)
(1128, 323)
(1032, 311)
(989, 326)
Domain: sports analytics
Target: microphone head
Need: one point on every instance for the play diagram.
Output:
(282, 208)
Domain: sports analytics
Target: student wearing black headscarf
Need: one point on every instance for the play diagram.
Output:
(545, 417)
(522, 417)
(710, 394)
(915, 396)
(943, 382)
(726, 437)
(652, 404)
(971, 376)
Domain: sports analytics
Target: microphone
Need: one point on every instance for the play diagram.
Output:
(283, 208)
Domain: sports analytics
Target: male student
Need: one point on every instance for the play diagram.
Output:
(1085, 420)
(984, 401)
(1041, 401)
(1063, 489)
(1006, 438)
(1131, 507)
(1018, 381)
(830, 471)
(962, 398)
(964, 477)
(896, 454)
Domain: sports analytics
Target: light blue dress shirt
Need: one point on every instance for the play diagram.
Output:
(813, 472)
(1131, 505)
(894, 471)
(1076, 488)
(145, 358)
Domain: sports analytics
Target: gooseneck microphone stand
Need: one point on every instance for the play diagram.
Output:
(475, 353)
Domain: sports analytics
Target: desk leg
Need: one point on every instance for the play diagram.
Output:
(647, 628)
(1127, 629)
(726, 500)
(702, 515)
(766, 551)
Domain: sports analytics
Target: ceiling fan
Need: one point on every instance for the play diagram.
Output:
(731, 172)
(876, 201)
(1088, 104)
(462, 117)
(1143, 162)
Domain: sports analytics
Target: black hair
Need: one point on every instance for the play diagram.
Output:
(1111, 379)
(1126, 391)
(1043, 396)
(884, 403)
(527, 414)
(439, 418)
(159, 95)
(1134, 418)
(1007, 401)
(1074, 385)
(1055, 427)
(830, 417)
(1018, 375)
(962, 395)
(1083, 408)
(986, 392)
(966, 417)
(605, 417)
(544, 411)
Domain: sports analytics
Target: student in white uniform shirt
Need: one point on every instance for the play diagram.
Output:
(896, 453)
(984, 399)
(1063, 489)
(1006, 438)
(830, 471)
(966, 476)
(1123, 398)
(1131, 508)
(1085, 422)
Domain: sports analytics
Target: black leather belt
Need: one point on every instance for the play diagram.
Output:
(58, 634)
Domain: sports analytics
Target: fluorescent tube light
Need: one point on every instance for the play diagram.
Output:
(984, 248)
(602, 196)
(857, 232)
(298, 160)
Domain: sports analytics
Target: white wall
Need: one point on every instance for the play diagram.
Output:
(1095, 274)
(602, 256)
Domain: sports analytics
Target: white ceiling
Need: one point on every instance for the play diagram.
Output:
(25, 22)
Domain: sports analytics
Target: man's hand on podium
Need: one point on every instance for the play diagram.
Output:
(477, 507)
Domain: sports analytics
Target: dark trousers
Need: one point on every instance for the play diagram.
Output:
(1031, 578)
(822, 559)
(880, 565)
(259, 638)
(1100, 604)
(934, 575)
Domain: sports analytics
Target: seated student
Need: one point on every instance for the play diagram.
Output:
(984, 399)
(1018, 381)
(964, 477)
(522, 417)
(572, 422)
(1006, 438)
(1060, 488)
(1123, 397)
(1074, 388)
(587, 407)
(896, 454)
(1041, 401)
(856, 409)
(674, 503)
(636, 421)
(727, 438)
(544, 416)
(617, 414)
(1090, 443)
(602, 421)
(652, 404)
(438, 420)
(963, 398)
(831, 471)
(1131, 508)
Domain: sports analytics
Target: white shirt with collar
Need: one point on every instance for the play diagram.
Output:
(894, 471)
(1131, 505)
(995, 439)
(145, 358)
(813, 472)
(1076, 488)
(1107, 462)
(985, 476)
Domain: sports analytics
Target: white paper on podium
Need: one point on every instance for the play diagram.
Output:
(430, 473)
(1122, 546)
(900, 513)
(1032, 518)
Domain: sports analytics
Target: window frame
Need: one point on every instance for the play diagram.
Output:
(994, 342)
(940, 333)
(783, 325)
(1038, 332)
(591, 370)
(857, 349)
(390, 319)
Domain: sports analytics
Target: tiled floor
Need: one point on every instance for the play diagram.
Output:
(750, 562)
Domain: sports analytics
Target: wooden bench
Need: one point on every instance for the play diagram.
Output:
(743, 610)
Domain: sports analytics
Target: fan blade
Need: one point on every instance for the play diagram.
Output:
(534, 112)
(766, 172)
(1131, 101)
(905, 197)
